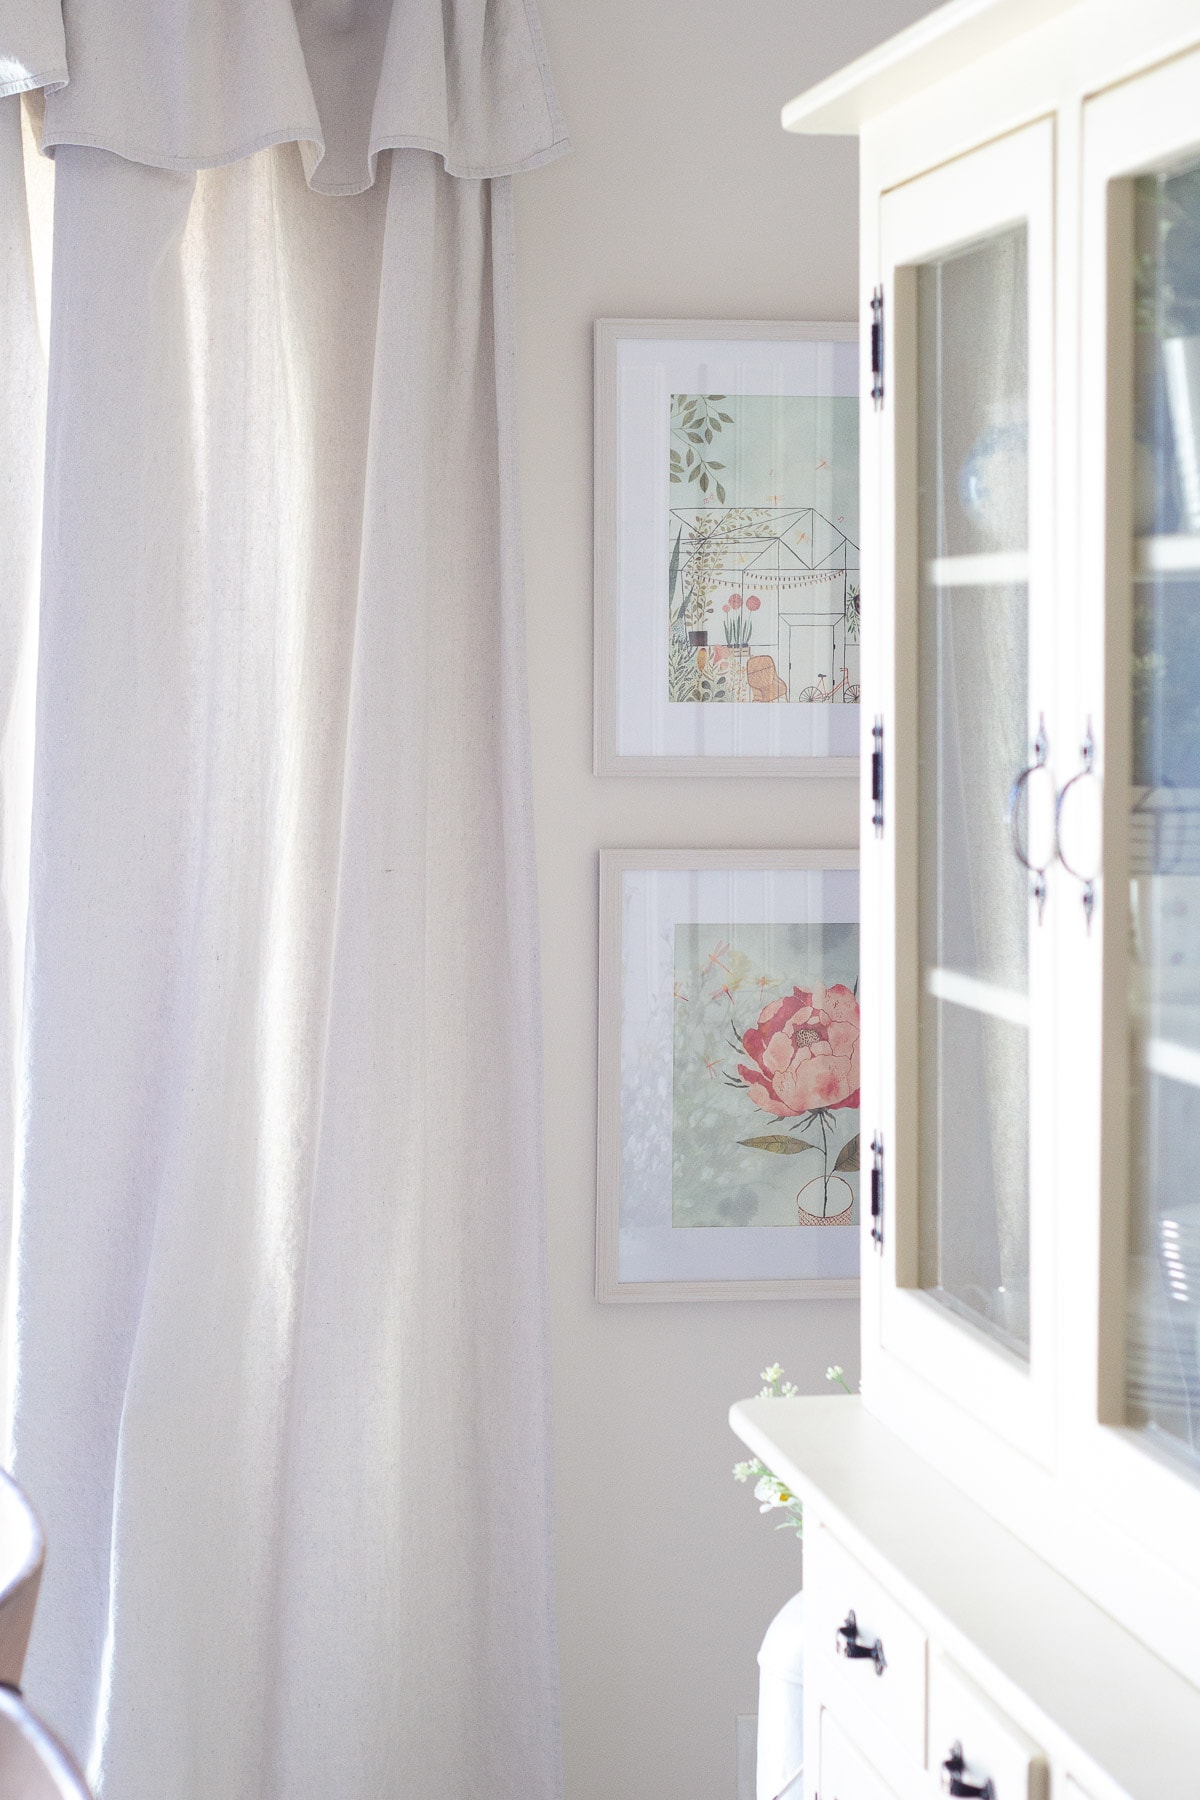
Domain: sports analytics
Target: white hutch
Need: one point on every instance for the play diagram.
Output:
(1002, 1537)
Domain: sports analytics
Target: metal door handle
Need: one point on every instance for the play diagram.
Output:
(1088, 755)
(851, 1645)
(954, 1782)
(1041, 750)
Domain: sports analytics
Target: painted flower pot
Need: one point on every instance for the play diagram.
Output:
(845, 1217)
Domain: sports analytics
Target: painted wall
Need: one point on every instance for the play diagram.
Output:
(682, 199)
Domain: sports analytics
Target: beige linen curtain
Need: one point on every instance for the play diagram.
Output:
(278, 1334)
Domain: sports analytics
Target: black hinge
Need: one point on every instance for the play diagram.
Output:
(877, 1191)
(877, 347)
(877, 775)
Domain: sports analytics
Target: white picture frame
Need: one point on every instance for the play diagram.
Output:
(642, 727)
(646, 1248)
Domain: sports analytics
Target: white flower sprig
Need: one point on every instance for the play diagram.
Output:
(777, 1388)
(769, 1491)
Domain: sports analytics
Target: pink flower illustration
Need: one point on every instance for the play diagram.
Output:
(734, 603)
(753, 603)
(804, 1051)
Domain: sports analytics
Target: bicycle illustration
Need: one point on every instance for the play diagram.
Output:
(844, 689)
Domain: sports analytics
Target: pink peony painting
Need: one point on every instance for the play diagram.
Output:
(766, 1078)
(803, 1065)
(805, 1052)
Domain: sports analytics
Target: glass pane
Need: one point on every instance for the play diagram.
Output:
(973, 904)
(1163, 1367)
(974, 1246)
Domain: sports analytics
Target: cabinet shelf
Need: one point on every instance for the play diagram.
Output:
(978, 996)
(1178, 555)
(1174, 1061)
(992, 568)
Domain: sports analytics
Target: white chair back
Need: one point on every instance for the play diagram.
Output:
(33, 1764)
(22, 1552)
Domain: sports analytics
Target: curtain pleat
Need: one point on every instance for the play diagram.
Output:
(22, 439)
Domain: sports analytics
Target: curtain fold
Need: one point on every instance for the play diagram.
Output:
(22, 432)
(281, 1373)
(181, 86)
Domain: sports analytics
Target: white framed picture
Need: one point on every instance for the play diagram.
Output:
(728, 1146)
(727, 560)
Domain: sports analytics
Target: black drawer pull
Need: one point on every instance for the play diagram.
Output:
(953, 1770)
(849, 1644)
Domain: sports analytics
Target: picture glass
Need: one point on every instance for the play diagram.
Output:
(738, 595)
(739, 1075)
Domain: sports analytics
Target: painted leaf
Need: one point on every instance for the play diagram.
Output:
(720, 493)
(690, 455)
(778, 1144)
(728, 417)
(847, 1161)
(703, 482)
(716, 465)
(714, 396)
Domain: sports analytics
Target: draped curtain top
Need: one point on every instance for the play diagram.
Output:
(185, 86)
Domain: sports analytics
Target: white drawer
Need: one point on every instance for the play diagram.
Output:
(887, 1690)
(845, 1774)
(965, 1726)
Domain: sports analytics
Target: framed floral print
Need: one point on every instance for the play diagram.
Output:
(727, 563)
(728, 1155)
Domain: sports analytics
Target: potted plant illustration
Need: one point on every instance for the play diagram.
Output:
(738, 628)
(698, 608)
(737, 620)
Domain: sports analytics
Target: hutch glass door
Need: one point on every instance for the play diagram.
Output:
(1137, 1433)
(1163, 799)
(973, 722)
(967, 258)
(1143, 499)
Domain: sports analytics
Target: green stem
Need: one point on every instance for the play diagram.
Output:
(825, 1156)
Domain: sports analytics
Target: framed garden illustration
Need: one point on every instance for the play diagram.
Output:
(727, 563)
(728, 1152)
